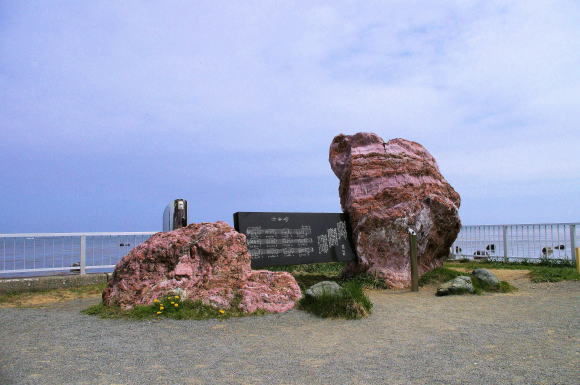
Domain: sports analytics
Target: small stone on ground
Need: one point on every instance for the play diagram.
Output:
(458, 285)
(486, 276)
(324, 287)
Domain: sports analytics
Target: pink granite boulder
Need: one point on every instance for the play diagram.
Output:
(208, 262)
(385, 188)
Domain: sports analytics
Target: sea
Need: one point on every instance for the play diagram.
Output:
(55, 255)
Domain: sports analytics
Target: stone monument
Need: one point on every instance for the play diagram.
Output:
(387, 188)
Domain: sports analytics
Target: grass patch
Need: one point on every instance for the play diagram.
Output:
(554, 274)
(39, 297)
(506, 287)
(439, 275)
(351, 303)
(554, 262)
(328, 269)
(480, 286)
(538, 271)
(368, 281)
(165, 308)
(310, 274)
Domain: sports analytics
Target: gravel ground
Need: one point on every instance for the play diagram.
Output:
(529, 337)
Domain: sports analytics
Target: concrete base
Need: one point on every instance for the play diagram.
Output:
(19, 285)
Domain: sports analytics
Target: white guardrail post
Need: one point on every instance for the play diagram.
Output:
(83, 261)
(505, 243)
(572, 240)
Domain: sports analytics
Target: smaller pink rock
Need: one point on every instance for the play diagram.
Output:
(208, 262)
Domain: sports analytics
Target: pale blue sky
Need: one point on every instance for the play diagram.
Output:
(109, 109)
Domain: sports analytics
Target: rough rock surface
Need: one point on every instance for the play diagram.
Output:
(458, 285)
(385, 188)
(324, 287)
(486, 276)
(209, 262)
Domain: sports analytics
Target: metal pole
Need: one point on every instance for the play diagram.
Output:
(83, 253)
(414, 270)
(578, 259)
(505, 244)
(572, 240)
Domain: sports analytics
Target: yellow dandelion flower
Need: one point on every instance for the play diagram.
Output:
(158, 312)
(161, 307)
(222, 311)
(176, 305)
(172, 302)
(176, 297)
(155, 300)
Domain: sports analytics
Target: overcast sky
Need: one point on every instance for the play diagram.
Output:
(110, 109)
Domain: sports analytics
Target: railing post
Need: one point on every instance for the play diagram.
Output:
(83, 254)
(413, 252)
(505, 244)
(572, 240)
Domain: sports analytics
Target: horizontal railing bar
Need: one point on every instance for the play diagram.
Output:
(100, 267)
(72, 268)
(39, 269)
(526, 224)
(40, 235)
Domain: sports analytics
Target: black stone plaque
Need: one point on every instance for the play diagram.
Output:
(295, 238)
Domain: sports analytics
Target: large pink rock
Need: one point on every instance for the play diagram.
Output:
(208, 262)
(387, 188)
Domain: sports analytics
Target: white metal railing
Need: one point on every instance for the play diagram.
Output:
(41, 253)
(517, 242)
(34, 253)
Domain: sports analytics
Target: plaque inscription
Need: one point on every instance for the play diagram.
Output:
(295, 238)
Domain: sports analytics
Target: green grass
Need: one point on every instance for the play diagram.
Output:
(352, 303)
(308, 275)
(330, 269)
(506, 287)
(165, 308)
(368, 281)
(439, 275)
(15, 297)
(538, 272)
(554, 274)
(480, 286)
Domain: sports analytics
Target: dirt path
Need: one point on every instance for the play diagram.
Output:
(527, 337)
(47, 299)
